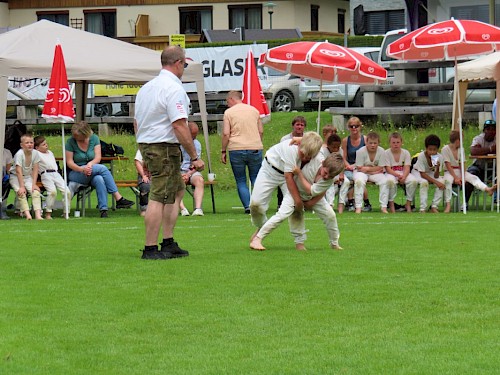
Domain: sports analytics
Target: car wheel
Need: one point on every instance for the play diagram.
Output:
(358, 100)
(102, 110)
(283, 102)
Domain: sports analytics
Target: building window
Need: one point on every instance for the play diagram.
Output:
(381, 22)
(248, 16)
(475, 12)
(102, 22)
(61, 17)
(314, 17)
(341, 21)
(193, 20)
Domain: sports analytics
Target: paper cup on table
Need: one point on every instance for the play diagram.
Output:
(211, 176)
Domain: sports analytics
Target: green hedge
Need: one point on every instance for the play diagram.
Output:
(352, 41)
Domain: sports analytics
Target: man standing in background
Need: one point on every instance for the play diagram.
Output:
(242, 137)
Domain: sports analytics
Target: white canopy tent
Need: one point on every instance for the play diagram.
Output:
(486, 67)
(90, 58)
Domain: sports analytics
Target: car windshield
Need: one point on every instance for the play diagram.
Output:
(389, 39)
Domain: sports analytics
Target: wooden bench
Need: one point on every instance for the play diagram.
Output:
(133, 185)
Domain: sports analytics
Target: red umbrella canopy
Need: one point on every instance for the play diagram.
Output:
(323, 61)
(447, 40)
(252, 91)
(58, 105)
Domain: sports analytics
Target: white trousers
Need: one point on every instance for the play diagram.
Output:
(297, 223)
(360, 180)
(424, 191)
(53, 181)
(36, 197)
(342, 190)
(469, 177)
(410, 187)
(266, 182)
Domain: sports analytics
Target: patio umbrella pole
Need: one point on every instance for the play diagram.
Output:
(460, 132)
(66, 203)
(318, 120)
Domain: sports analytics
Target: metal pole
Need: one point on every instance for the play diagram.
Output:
(346, 86)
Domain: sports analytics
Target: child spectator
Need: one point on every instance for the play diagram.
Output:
(23, 177)
(331, 146)
(192, 176)
(370, 167)
(426, 170)
(7, 163)
(397, 163)
(312, 182)
(453, 173)
(143, 182)
(51, 179)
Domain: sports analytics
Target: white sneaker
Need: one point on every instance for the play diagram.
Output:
(184, 212)
(198, 212)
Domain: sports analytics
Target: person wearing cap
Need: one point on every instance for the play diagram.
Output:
(482, 144)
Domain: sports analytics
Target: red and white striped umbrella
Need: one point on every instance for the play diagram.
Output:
(447, 40)
(323, 61)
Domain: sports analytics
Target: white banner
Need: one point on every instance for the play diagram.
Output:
(223, 67)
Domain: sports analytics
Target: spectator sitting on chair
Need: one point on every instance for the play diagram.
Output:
(50, 177)
(427, 171)
(397, 161)
(7, 164)
(370, 166)
(483, 144)
(83, 155)
(453, 174)
(350, 144)
(23, 177)
(191, 176)
(143, 182)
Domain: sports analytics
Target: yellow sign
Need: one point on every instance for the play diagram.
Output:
(115, 90)
(177, 40)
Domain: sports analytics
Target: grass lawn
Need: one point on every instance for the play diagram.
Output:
(409, 294)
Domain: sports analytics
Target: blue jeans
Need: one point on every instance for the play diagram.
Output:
(240, 161)
(101, 179)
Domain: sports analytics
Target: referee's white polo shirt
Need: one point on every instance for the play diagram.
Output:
(158, 104)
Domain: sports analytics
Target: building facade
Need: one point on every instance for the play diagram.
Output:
(119, 18)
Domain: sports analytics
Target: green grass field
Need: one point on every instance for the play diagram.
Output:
(409, 294)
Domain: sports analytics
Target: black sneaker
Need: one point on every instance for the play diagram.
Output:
(173, 251)
(124, 203)
(152, 255)
(367, 208)
(104, 214)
